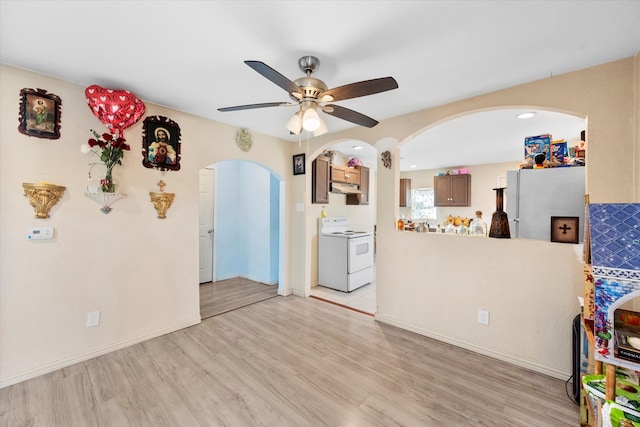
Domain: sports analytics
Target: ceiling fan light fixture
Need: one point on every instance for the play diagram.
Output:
(294, 124)
(310, 120)
(322, 129)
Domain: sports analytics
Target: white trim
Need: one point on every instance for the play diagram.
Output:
(99, 351)
(518, 361)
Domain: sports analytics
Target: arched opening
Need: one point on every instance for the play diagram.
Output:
(359, 212)
(489, 145)
(241, 235)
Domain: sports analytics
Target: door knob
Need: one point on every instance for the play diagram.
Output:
(210, 231)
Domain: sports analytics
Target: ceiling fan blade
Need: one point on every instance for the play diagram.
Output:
(363, 88)
(349, 115)
(274, 76)
(251, 106)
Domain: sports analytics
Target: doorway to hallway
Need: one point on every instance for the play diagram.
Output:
(227, 295)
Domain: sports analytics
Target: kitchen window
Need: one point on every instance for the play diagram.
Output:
(422, 205)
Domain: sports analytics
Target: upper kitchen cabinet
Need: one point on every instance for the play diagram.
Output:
(344, 174)
(320, 174)
(361, 198)
(452, 190)
(405, 192)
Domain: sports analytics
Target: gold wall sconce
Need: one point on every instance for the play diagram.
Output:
(161, 201)
(43, 196)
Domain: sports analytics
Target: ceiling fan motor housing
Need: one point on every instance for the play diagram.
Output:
(310, 87)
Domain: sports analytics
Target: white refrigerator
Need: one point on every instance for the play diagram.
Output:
(533, 196)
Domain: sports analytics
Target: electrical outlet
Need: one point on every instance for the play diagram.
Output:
(483, 317)
(93, 319)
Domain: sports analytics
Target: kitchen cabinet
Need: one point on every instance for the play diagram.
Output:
(452, 190)
(320, 174)
(405, 192)
(363, 197)
(344, 174)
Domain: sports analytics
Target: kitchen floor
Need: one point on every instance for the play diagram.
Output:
(362, 299)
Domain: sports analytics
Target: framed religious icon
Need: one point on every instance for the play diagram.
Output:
(160, 143)
(298, 164)
(39, 114)
(564, 229)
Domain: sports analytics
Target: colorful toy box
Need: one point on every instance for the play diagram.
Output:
(534, 145)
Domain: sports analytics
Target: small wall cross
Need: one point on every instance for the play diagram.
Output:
(564, 228)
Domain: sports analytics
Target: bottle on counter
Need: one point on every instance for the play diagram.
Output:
(478, 227)
(323, 214)
(401, 224)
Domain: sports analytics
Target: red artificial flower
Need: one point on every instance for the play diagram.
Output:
(107, 136)
(92, 142)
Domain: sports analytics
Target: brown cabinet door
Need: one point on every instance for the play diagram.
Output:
(363, 197)
(460, 190)
(320, 180)
(441, 191)
(405, 192)
(364, 185)
(353, 176)
(338, 174)
(452, 190)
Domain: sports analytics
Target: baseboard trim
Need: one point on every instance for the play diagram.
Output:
(59, 364)
(523, 363)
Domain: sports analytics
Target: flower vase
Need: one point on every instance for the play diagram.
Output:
(107, 185)
(499, 221)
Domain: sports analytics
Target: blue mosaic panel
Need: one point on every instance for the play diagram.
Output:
(615, 235)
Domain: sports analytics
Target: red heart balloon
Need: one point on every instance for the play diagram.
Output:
(117, 109)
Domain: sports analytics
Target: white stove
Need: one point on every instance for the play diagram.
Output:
(345, 257)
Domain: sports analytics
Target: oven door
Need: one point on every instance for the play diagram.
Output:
(360, 253)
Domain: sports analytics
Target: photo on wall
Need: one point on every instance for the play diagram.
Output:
(298, 164)
(39, 113)
(161, 143)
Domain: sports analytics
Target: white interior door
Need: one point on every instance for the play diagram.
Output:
(205, 229)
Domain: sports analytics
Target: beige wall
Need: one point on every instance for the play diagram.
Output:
(139, 271)
(426, 283)
(434, 284)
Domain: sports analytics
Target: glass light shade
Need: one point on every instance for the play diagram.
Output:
(322, 129)
(295, 123)
(310, 120)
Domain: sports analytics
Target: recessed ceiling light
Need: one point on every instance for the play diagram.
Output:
(412, 166)
(526, 115)
(357, 147)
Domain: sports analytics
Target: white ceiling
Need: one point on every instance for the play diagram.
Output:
(188, 55)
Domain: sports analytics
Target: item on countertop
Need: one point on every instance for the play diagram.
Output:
(478, 226)
(499, 221)
(450, 228)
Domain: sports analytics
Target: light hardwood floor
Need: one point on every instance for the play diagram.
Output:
(290, 361)
(226, 295)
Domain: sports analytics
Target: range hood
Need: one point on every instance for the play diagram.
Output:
(344, 188)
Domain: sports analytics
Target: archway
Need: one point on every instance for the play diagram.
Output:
(247, 224)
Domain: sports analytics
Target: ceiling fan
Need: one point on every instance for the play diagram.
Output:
(312, 94)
